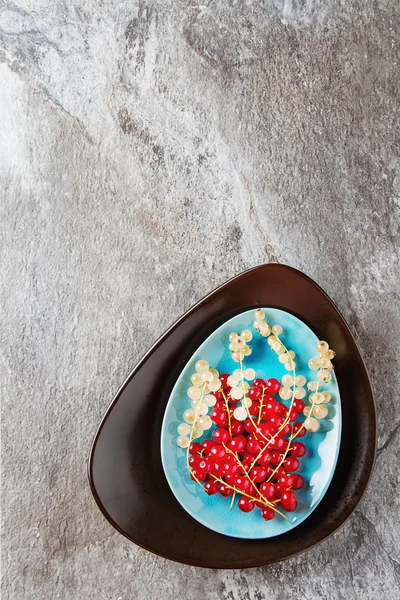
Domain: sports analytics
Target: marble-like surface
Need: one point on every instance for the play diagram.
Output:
(149, 151)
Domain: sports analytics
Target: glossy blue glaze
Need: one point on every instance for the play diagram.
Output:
(322, 447)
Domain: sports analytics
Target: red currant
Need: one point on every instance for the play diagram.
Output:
(275, 422)
(242, 483)
(211, 487)
(279, 443)
(198, 475)
(276, 458)
(286, 430)
(273, 386)
(236, 427)
(289, 501)
(206, 446)
(194, 461)
(285, 480)
(245, 504)
(231, 469)
(194, 448)
(298, 405)
(267, 513)
(299, 430)
(238, 443)
(254, 409)
(260, 383)
(218, 395)
(264, 459)
(218, 452)
(254, 393)
(267, 489)
(292, 464)
(271, 406)
(258, 474)
(298, 481)
(221, 436)
(224, 380)
(253, 445)
(278, 490)
(218, 469)
(249, 425)
(225, 491)
(204, 465)
(298, 449)
(219, 417)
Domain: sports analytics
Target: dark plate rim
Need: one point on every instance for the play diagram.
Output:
(153, 348)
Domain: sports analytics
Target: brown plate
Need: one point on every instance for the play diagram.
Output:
(125, 471)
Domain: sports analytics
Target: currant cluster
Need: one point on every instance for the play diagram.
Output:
(254, 451)
(255, 458)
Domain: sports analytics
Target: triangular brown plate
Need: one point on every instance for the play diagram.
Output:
(125, 471)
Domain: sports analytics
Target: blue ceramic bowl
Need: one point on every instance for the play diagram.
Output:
(317, 467)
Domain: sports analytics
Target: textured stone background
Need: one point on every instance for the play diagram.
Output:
(149, 151)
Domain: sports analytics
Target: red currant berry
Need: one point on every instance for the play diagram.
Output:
(292, 415)
(289, 501)
(231, 469)
(231, 478)
(194, 461)
(224, 380)
(271, 406)
(247, 457)
(236, 427)
(218, 469)
(285, 480)
(267, 489)
(298, 449)
(298, 481)
(218, 452)
(198, 475)
(253, 446)
(265, 429)
(194, 448)
(204, 465)
(249, 425)
(279, 443)
(276, 458)
(211, 487)
(254, 393)
(218, 395)
(237, 443)
(258, 474)
(275, 422)
(282, 410)
(243, 484)
(219, 417)
(273, 386)
(292, 464)
(260, 383)
(267, 513)
(221, 436)
(245, 504)
(254, 409)
(264, 459)
(225, 491)
(286, 430)
(206, 446)
(299, 430)
(298, 405)
(278, 490)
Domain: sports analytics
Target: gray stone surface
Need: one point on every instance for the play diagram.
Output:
(149, 151)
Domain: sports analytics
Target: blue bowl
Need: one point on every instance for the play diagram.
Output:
(317, 467)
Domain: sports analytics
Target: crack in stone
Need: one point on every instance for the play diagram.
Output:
(389, 439)
(393, 560)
